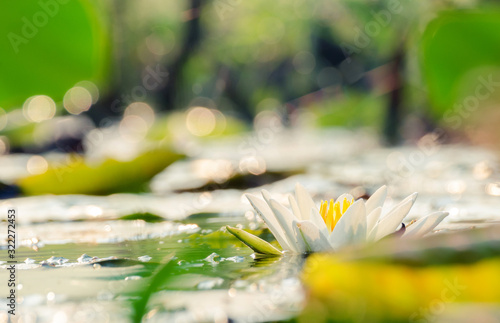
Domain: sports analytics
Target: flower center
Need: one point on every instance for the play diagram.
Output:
(332, 212)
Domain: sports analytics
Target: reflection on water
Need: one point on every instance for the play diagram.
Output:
(212, 275)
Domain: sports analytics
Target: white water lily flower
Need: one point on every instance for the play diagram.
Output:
(337, 224)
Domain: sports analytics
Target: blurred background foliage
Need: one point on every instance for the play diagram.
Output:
(146, 68)
(49, 47)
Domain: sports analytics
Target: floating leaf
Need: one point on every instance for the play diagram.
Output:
(111, 176)
(349, 291)
(145, 216)
(255, 243)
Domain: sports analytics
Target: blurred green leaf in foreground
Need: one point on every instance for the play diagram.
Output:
(48, 46)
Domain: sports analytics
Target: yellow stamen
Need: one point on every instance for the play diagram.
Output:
(345, 205)
(331, 216)
(322, 210)
(329, 223)
(332, 212)
(337, 212)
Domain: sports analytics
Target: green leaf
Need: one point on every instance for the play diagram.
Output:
(145, 216)
(47, 46)
(255, 243)
(159, 276)
(109, 177)
(456, 46)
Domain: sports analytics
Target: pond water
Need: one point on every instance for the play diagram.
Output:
(91, 258)
(212, 277)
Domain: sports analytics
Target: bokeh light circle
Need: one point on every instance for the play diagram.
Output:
(39, 108)
(77, 100)
(200, 121)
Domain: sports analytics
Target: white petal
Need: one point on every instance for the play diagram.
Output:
(318, 221)
(346, 196)
(372, 218)
(268, 216)
(301, 244)
(351, 228)
(376, 200)
(304, 200)
(390, 222)
(315, 240)
(286, 219)
(313, 211)
(266, 195)
(295, 207)
(425, 225)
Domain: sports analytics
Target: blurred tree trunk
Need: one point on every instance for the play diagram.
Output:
(106, 107)
(394, 113)
(191, 40)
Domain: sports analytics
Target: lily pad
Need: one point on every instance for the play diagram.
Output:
(145, 216)
(109, 177)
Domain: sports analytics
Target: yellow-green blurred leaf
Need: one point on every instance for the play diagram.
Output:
(110, 176)
(359, 291)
